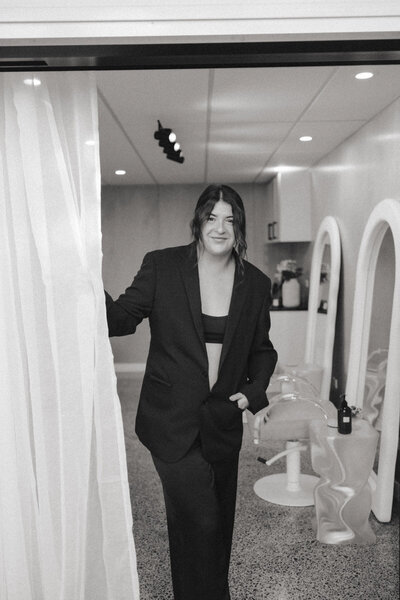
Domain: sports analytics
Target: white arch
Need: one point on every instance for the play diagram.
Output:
(328, 233)
(385, 215)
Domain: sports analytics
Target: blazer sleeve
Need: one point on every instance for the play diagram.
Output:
(261, 362)
(135, 304)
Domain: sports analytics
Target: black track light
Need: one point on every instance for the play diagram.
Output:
(167, 140)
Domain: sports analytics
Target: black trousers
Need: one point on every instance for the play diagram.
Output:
(200, 499)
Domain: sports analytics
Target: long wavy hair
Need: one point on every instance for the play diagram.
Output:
(204, 207)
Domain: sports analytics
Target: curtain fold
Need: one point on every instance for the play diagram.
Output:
(65, 515)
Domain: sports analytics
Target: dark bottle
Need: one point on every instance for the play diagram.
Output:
(276, 292)
(344, 417)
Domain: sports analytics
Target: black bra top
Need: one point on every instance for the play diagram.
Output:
(214, 328)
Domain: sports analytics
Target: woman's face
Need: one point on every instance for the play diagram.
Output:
(217, 232)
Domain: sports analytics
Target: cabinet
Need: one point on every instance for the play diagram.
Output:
(289, 207)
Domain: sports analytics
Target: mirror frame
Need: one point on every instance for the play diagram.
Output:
(385, 215)
(328, 233)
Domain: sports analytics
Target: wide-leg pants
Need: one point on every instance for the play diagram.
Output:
(200, 500)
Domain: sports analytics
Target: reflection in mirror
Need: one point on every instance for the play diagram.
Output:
(324, 280)
(323, 307)
(382, 305)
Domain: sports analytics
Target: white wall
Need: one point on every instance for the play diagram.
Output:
(347, 184)
(130, 21)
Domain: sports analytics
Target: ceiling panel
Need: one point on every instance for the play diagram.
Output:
(160, 94)
(326, 136)
(244, 145)
(242, 149)
(234, 168)
(263, 136)
(257, 95)
(117, 153)
(348, 99)
(293, 153)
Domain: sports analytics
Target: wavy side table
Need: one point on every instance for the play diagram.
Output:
(342, 495)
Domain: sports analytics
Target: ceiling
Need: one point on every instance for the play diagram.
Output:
(234, 125)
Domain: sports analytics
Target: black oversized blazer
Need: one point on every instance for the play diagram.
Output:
(176, 403)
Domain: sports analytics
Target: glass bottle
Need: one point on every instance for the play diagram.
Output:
(344, 417)
(276, 291)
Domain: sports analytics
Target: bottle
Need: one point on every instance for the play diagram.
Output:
(291, 293)
(344, 417)
(276, 291)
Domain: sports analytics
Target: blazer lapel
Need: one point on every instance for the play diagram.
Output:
(239, 294)
(190, 275)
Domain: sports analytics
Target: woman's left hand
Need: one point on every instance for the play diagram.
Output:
(240, 399)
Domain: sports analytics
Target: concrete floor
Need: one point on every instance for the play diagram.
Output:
(275, 554)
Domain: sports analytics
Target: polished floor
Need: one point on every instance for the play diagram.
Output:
(275, 553)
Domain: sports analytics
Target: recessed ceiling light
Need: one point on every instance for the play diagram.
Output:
(364, 75)
(305, 138)
(120, 172)
(32, 81)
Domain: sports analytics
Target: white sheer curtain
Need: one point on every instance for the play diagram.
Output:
(65, 515)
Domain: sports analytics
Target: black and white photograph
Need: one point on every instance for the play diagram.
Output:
(199, 300)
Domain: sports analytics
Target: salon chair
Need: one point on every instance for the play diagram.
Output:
(299, 394)
(287, 418)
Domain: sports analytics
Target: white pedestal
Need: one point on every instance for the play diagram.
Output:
(275, 489)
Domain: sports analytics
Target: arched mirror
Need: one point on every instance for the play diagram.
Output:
(322, 308)
(322, 304)
(385, 216)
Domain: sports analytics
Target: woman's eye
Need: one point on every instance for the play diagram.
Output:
(210, 218)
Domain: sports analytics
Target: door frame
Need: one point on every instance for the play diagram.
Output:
(199, 55)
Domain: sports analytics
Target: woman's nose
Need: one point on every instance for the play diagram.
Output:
(220, 225)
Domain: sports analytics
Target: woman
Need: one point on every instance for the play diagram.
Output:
(210, 358)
